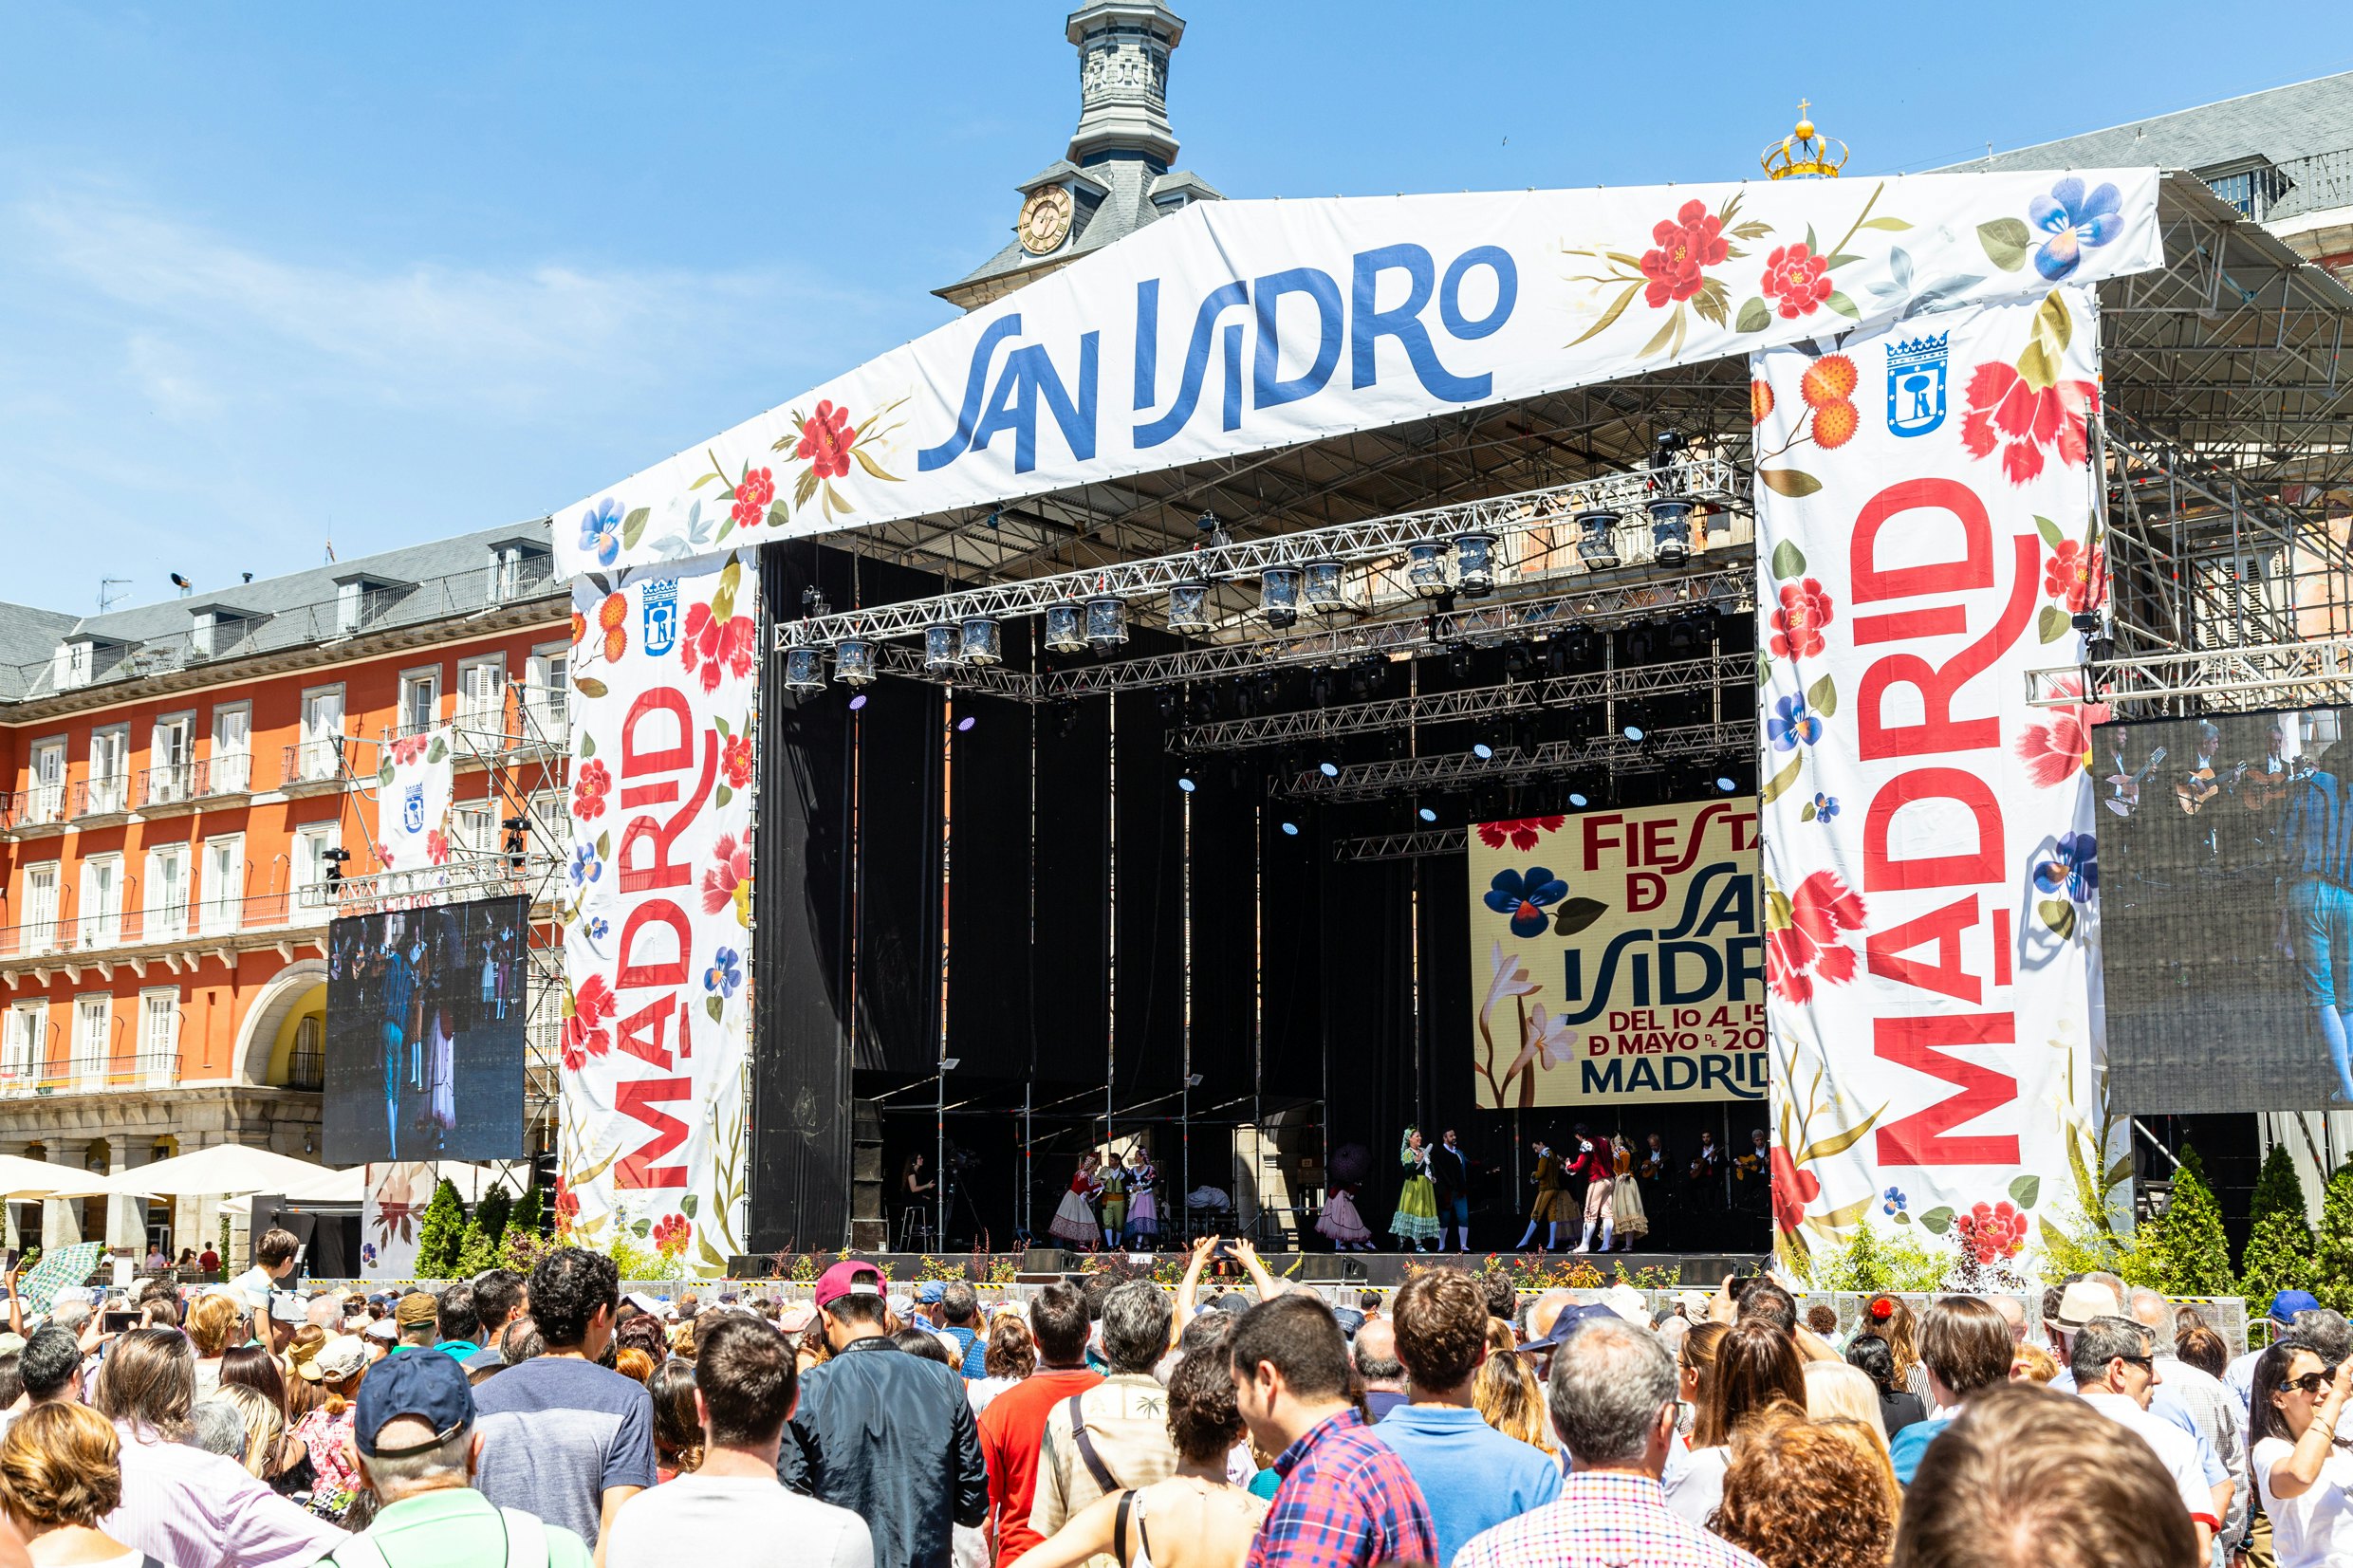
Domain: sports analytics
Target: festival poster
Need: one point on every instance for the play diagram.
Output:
(1617, 957)
(657, 911)
(1927, 529)
(413, 787)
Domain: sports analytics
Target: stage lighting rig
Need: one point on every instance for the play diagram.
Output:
(334, 858)
(1107, 622)
(1188, 608)
(511, 846)
(1188, 779)
(1278, 596)
(1165, 700)
(1321, 586)
(1458, 661)
(944, 648)
(984, 643)
(813, 603)
(1670, 530)
(1474, 564)
(1213, 534)
(853, 662)
(1596, 540)
(1066, 628)
(1425, 569)
(804, 668)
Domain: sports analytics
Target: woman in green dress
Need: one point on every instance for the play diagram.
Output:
(1416, 1222)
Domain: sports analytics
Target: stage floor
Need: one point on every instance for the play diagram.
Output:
(1705, 1270)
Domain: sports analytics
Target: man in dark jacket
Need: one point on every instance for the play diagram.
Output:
(885, 1434)
(1450, 1169)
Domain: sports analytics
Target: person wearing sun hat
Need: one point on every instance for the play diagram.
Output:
(412, 1426)
(335, 1365)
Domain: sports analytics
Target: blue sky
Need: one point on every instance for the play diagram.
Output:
(272, 274)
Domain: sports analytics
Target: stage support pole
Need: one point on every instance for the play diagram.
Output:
(1185, 1105)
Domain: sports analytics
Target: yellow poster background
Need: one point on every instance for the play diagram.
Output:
(1615, 957)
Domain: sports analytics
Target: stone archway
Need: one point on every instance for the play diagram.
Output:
(280, 995)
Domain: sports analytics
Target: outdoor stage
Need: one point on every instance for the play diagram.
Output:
(1705, 1270)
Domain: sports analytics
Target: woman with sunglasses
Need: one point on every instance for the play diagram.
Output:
(2302, 1466)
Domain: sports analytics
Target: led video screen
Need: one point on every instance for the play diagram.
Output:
(2225, 865)
(425, 1011)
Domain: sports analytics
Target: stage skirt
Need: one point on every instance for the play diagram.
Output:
(1340, 1220)
(1075, 1220)
(1626, 1207)
(1417, 1217)
(1144, 1215)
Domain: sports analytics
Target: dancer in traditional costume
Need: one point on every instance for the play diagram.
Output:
(1626, 1196)
(1074, 1221)
(1416, 1222)
(1594, 1163)
(1111, 1185)
(1342, 1223)
(1143, 1213)
(1551, 1204)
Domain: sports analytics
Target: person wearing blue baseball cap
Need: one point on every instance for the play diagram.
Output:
(2239, 1376)
(414, 1428)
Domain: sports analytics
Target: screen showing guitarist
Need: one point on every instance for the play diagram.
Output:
(2316, 924)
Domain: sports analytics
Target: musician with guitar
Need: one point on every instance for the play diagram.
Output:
(2316, 853)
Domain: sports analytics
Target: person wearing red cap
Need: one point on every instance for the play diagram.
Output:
(888, 1435)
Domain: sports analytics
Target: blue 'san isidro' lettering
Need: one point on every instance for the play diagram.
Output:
(1006, 397)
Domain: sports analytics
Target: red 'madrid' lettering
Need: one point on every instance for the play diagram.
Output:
(669, 971)
(663, 872)
(1882, 870)
(644, 1034)
(1922, 1138)
(641, 1100)
(1884, 950)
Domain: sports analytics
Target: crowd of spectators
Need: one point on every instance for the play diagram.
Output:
(1112, 1423)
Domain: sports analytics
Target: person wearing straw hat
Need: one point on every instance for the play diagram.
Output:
(334, 1368)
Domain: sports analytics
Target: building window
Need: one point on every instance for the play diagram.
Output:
(224, 882)
(421, 701)
(22, 1051)
(350, 598)
(548, 693)
(93, 1017)
(166, 901)
(2253, 191)
(305, 1067)
(202, 633)
(71, 666)
(474, 826)
(515, 570)
(482, 695)
(110, 769)
(171, 753)
(41, 907)
(49, 782)
(158, 1030)
(310, 862)
(102, 901)
(320, 755)
(233, 749)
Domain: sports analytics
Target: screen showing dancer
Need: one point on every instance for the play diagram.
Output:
(424, 1044)
(2222, 861)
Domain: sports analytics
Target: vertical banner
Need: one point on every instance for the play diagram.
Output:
(413, 789)
(390, 1214)
(1615, 957)
(657, 911)
(1925, 528)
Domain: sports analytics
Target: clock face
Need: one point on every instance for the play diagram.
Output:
(1045, 219)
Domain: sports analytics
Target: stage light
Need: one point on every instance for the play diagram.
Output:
(1329, 770)
(1066, 628)
(965, 724)
(1165, 699)
(1596, 540)
(1186, 781)
(1107, 622)
(1187, 607)
(2100, 648)
(1669, 531)
(1278, 596)
(813, 603)
(1578, 801)
(1633, 733)
(1458, 661)
(1321, 586)
(948, 1063)
(1725, 784)
(1515, 660)
(1678, 638)
(1641, 642)
(1193, 1080)
(1483, 751)
(983, 641)
(804, 669)
(853, 662)
(1320, 687)
(1474, 564)
(857, 702)
(1427, 815)
(1290, 830)
(1425, 569)
(943, 647)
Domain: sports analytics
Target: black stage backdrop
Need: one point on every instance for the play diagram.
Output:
(1066, 915)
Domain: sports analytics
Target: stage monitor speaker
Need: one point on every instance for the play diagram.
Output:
(1335, 1268)
(870, 1228)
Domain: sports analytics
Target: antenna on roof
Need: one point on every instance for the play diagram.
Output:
(106, 600)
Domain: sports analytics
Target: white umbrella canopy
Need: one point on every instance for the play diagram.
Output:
(350, 1185)
(24, 1178)
(223, 1168)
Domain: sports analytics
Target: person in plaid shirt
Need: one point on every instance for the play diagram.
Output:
(1345, 1501)
(1612, 1395)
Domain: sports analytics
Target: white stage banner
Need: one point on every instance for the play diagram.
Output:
(390, 1215)
(413, 787)
(657, 911)
(1926, 526)
(1240, 326)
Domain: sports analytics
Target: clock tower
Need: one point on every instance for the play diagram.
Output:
(1116, 176)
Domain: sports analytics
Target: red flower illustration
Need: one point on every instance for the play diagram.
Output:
(408, 751)
(1797, 625)
(2009, 412)
(826, 441)
(753, 492)
(590, 789)
(576, 1041)
(711, 642)
(1792, 1190)
(1521, 832)
(1991, 1233)
(2054, 752)
(594, 1000)
(568, 1203)
(736, 760)
(1803, 941)
(1691, 239)
(672, 1233)
(437, 847)
(731, 868)
(1796, 280)
(2073, 575)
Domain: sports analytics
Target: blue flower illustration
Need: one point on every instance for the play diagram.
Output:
(585, 868)
(600, 929)
(1825, 807)
(2073, 220)
(1893, 1202)
(1524, 898)
(2073, 865)
(725, 974)
(1793, 723)
(600, 530)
